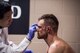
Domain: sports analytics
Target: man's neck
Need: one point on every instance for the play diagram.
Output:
(50, 39)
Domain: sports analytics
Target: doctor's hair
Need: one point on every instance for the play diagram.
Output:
(4, 7)
(50, 20)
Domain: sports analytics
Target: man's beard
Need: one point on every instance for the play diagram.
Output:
(44, 36)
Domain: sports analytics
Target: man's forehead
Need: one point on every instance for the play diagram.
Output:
(41, 22)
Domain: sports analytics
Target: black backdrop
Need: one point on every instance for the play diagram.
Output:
(20, 25)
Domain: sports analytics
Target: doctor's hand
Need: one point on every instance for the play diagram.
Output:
(32, 31)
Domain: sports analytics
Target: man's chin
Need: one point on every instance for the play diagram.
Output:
(39, 37)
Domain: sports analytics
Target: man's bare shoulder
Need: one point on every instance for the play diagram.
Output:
(57, 47)
(60, 46)
(67, 47)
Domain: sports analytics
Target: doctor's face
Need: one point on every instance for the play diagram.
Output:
(7, 20)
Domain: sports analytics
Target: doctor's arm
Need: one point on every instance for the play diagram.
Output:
(22, 46)
(27, 40)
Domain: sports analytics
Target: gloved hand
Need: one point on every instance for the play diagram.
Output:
(32, 31)
(28, 51)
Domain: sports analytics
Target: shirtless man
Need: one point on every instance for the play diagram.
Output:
(47, 30)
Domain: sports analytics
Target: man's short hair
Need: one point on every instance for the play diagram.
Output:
(50, 20)
(4, 7)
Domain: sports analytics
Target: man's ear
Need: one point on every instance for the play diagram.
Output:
(48, 29)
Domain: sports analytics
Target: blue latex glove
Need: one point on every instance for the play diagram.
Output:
(28, 51)
(32, 31)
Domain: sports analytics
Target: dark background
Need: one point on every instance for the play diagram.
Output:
(21, 25)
